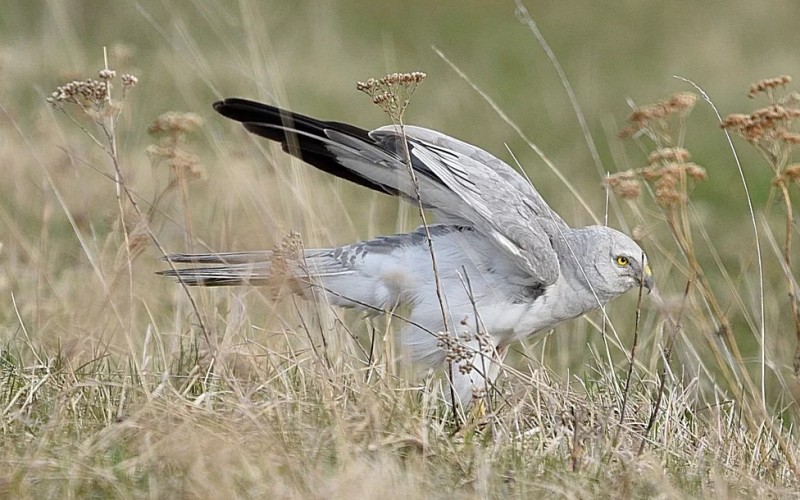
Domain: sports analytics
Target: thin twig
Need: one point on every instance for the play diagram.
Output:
(666, 355)
(632, 360)
(434, 265)
(761, 301)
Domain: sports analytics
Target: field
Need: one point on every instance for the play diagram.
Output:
(116, 382)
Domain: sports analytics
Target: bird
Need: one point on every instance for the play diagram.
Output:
(507, 265)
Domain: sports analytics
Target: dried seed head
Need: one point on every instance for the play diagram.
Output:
(766, 85)
(292, 246)
(736, 121)
(682, 102)
(286, 261)
(667, 197)
(175, 123)
(384, 98)
(792, 173)
(628, 190)
(485, 342)
(365, 86)
(392, 92)
(625, 185)
(646, 116)
(92, 96)
(129, 80)
(668, 155)
(775, 112)
(186, 164)
(695, 171)
(86, 94)
(106, 74)
(667, 178)
(628, 132)
(765, 125)
(789, 137)
(651, 172)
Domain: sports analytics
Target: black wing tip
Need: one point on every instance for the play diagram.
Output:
(301, 136)
(230, 107)
(242, 110)
(236, 101)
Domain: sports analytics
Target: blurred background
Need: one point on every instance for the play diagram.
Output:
(58, 203)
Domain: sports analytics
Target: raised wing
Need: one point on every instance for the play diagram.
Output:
(431, 137)
(461, 182)
(508, 208)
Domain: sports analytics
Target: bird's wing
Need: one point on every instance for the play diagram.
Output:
(532, 197)
(488, 193)
(465, 184)
(299, 135)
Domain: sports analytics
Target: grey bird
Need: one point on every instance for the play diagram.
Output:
(508, 265)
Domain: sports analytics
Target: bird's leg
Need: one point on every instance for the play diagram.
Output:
(474, 378)
(483, 406)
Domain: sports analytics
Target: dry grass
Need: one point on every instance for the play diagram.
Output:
(114, 383)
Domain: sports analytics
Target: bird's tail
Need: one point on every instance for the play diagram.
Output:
(320, 274)
(222, 269)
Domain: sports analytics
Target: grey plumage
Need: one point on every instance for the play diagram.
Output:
(509, 266)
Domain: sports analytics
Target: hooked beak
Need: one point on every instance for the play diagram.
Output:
(647, 278)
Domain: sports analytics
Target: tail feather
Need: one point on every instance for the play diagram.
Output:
(230, 272)
(349, 276)
(256, 268)
(219, 258)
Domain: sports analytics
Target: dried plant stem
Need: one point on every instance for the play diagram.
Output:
(484, 345)
(669, 178)
(679, 227)
(787, 261)
(184, 193)
(392, 93)
(139, 213)
(751, 405)
(436, 278)
(93, 97)
(631, 363)
(674, 328)
(771, 130)
(110, 131)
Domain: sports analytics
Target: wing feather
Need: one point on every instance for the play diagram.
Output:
(464, 184)
(502, 212)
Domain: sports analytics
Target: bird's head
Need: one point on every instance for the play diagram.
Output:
(613, 262)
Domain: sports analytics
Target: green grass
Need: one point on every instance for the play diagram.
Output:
(109, 388)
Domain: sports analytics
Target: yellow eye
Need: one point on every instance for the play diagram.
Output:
(622, 261)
